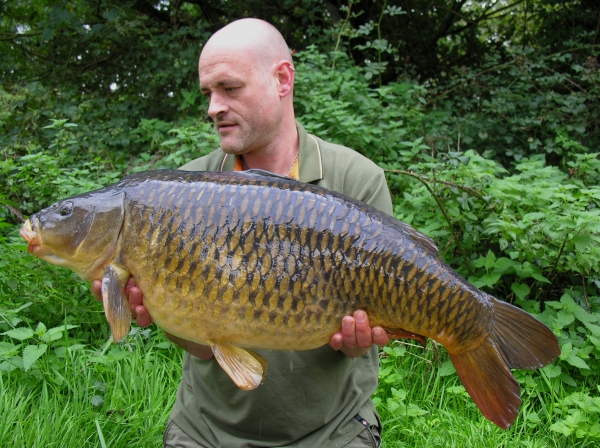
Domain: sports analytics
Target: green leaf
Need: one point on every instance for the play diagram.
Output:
(76, 347)
(20, 333)
(97, 400)
(12, 364)
(40, 329)
(576, 361)
(535, 216)
(56, 333)
(490, 279)
(552, 371)
(567, 379)
(582, 242)
(563, 319)
(31, 354)
(172, 141)
(459, 390)
(447, 369)
(7, 348)
(505, 264)
(561, 428)
(521, 290)
(490, 260)
(399, 394)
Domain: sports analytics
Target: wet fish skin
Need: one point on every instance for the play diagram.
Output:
(289, 278)
(243, 260)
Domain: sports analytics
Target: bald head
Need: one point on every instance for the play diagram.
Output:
(252, 38)
(246, 72)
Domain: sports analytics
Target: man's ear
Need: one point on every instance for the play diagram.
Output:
(285, 77)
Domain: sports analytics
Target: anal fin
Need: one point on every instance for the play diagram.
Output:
(116, 306)
(246, 368)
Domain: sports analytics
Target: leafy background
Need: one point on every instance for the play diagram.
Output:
(485, 116)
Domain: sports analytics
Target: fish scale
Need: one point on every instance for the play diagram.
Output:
(246, 260)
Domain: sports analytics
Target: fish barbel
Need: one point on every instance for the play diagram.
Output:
(242, 261)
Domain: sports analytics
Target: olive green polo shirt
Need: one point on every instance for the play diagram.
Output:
(309, 398)
(324, 164)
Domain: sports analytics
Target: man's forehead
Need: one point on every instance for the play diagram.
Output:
(217, 68)
(223, 73)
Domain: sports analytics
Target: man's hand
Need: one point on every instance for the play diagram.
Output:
(357, 336)
(134, 297)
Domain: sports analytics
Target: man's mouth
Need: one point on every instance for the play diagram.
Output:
(225, 126)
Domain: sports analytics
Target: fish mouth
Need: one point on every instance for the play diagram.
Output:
(34, 240)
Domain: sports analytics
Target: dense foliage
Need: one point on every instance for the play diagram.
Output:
(486, 121)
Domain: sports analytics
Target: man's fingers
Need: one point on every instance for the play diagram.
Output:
(380, 336)
(336, 341)
(348, 332)
(142, 316)
(97, 289)
(363, 334)
(136, 304)
(134, 296)
(130, 282)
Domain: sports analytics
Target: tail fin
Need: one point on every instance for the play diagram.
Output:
(518, 341)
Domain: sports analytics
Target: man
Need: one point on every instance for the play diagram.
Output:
(316, 398)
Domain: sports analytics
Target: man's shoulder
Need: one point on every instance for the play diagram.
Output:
(209, 162)
(344, 159)
(349, 172)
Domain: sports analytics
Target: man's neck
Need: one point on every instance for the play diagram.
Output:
(279, 158)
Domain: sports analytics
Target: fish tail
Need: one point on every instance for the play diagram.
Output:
(516, 341)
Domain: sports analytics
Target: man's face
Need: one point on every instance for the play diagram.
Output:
(244, 100)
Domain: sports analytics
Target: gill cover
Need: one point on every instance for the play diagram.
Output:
(81, 232)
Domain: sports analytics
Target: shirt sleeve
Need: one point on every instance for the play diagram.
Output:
(375, 192)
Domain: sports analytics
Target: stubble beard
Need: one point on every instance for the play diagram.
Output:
(237, 146)
(247, 140)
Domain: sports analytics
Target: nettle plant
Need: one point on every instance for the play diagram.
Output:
(530, 238)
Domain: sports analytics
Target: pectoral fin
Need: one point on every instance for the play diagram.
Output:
(116, 306)
(246, 368)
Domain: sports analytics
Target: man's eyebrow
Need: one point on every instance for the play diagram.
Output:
(222, 83)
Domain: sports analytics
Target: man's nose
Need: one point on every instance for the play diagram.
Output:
(217, 105)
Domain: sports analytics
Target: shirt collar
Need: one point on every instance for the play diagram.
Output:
(311, 164)
(309, 157)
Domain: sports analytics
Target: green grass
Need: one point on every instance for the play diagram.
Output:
(121, 398)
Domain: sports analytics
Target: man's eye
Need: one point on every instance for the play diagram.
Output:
(231, 89)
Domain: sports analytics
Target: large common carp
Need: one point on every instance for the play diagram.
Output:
(247, 260)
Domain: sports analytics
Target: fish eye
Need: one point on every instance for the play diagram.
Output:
(66, 209)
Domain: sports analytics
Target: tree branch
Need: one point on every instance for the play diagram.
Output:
(36, 54)
(13, 36)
